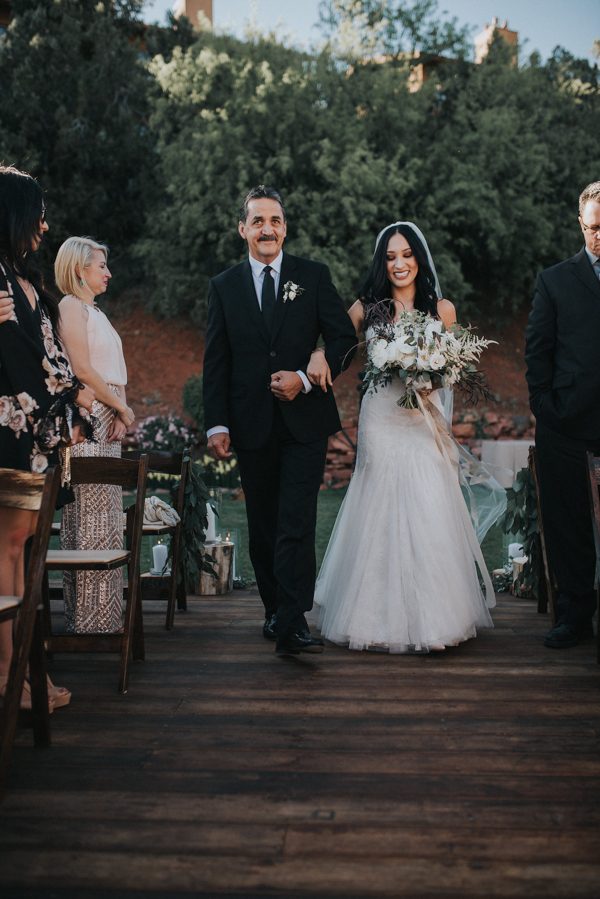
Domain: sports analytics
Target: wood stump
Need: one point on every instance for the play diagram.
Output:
(222, 556)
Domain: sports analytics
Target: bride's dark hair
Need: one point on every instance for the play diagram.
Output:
(375, 291)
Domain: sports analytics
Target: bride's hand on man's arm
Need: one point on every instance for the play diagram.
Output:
(318, 371)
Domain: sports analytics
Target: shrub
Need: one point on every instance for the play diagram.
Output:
(193, 404)
(164, 432)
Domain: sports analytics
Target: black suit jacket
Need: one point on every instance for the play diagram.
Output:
(563, 349)
(241, 355)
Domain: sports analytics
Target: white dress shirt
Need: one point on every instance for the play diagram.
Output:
(258, 275)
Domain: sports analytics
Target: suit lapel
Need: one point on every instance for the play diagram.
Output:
(251, 301)
(288, 267)
(584, 271)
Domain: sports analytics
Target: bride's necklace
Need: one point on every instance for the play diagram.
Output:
(28, 289)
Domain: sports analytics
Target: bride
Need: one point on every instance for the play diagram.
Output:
(403, 566)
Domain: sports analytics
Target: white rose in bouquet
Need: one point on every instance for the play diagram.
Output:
(378, 353)
(437, 361)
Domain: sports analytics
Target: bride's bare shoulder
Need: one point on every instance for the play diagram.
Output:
(357, 314)
(446, 312)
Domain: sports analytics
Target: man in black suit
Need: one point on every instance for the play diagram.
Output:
(265, 317)
(563, 374)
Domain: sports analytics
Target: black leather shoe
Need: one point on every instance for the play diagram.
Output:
(561, 637)
(301, 641)
(585, 631)
(269, 632)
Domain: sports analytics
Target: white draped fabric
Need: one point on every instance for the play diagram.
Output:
(402, 569)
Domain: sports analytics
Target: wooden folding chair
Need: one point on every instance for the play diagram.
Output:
(28, 643)
(594, 484)
(547, 593)
(126, 473)
(152, 586)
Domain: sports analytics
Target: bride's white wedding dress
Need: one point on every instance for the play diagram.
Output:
(401, 569)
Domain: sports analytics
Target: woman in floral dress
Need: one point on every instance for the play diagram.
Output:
(40, 399)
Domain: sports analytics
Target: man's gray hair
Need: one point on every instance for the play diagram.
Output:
(591, 192)
(261, 192)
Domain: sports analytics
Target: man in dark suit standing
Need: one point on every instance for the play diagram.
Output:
(563, 374)
(265, 317)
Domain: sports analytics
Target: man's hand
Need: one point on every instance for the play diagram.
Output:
(218, 446)
(286, 385)
(7, 306)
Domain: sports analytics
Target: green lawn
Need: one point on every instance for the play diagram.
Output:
(233, 515)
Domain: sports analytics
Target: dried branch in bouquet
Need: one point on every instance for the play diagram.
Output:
(474, 387)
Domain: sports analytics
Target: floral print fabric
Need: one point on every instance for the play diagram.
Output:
(37, 387)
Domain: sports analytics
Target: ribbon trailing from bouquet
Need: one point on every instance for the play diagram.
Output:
(452, 453)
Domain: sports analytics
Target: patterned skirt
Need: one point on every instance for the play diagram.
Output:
(93, 599)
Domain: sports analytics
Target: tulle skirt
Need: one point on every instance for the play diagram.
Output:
(400, 572)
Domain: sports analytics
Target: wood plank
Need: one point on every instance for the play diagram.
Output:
(228, 772)
(389, 877)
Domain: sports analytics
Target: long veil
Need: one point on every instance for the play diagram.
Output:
(484, 495)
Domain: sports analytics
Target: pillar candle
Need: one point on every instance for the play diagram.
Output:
(159, 556)
(211, 531)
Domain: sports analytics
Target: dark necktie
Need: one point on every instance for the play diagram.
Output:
(596, 267)
(267, 297)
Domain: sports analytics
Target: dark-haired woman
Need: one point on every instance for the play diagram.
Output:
(400, 572)
(39, 396)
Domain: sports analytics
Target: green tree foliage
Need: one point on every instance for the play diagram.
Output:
(193, 404)
(233, 114)
(74, 111)
(488, 159)
(161, 41)
(509, 150)
(394, 28)
(149, 137)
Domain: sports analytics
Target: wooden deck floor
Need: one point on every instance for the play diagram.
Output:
(228, 771)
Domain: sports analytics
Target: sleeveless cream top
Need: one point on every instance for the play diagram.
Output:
(106, 349)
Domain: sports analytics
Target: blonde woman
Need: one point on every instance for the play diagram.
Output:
(94, 521)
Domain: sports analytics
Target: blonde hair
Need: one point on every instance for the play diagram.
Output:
(73, 257)
(591, 192)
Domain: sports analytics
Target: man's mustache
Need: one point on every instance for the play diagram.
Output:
(261, 239)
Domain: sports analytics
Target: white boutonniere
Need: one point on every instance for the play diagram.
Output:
(291, 291)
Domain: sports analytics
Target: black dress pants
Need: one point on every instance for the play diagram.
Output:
(564, 494)
(281, 482)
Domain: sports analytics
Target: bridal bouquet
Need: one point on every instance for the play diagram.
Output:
(421, 352)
